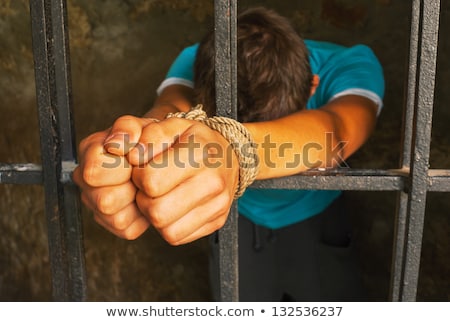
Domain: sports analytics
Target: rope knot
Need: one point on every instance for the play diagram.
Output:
(195, 114)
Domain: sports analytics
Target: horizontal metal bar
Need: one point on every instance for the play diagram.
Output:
(31, 173)
(439, 180)
(356, 179)
(340, 179)
(24, 173)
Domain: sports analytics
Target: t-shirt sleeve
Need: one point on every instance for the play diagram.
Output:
(355, 70)
(181, 72)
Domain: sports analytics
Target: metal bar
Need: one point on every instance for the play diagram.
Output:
(421, 149)
(439, 180)
(50, 51)
(408, 122)
(31, 173)
(226, 91)
(348, 179)
(368, 180)
(24, 173)
(72, 210)
(63, 90)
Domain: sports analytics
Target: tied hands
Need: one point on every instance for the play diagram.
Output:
(176, 175)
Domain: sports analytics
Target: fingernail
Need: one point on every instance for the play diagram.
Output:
(115, 142)
(115, 137)
(138, 154)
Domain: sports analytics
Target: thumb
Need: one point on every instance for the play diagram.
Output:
(125, 134)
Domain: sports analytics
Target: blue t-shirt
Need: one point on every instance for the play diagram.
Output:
(342, 71)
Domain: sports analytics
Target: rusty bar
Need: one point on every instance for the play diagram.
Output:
(420, 154)
(339, 179)
(226, 91)
(408, 122)
(53, 94)
(20, 173)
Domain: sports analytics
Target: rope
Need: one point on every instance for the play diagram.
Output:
(239, 138)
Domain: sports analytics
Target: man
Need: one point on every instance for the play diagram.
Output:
(298, 104)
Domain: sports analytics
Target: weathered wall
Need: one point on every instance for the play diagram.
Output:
(120, 52)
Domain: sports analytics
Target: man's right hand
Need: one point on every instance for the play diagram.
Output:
(104, 178)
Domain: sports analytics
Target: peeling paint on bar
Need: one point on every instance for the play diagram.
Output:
(21, 173)
(54, 101)
(67, 170)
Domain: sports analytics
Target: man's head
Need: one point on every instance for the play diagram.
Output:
(274, 76)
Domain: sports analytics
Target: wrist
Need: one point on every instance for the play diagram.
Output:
(160, 110)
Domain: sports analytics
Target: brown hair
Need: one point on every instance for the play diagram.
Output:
(274, 76)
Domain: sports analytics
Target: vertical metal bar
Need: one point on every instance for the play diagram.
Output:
(73, 229)
(408, 120)
(53, 90)
(421, 149)
(226, 89)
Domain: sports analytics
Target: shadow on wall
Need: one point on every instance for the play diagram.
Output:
(120, 52)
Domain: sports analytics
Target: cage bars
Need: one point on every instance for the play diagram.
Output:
(412, 180)
(54, 102)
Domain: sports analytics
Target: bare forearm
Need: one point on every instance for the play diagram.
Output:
(293, 144)
(321, 138)
(175, 98)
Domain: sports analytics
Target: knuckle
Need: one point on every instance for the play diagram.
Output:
(154, 211)
(125, 119)
(217, 184)
(223, 204)
(157, 218)
(150, 186)
(155, 126)
(154, 130)
(120, 222)
(218, 224)
(105, 204)
(128, 234)
(170, 236)
(89, 175)
(86, 142)
(196, 133)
